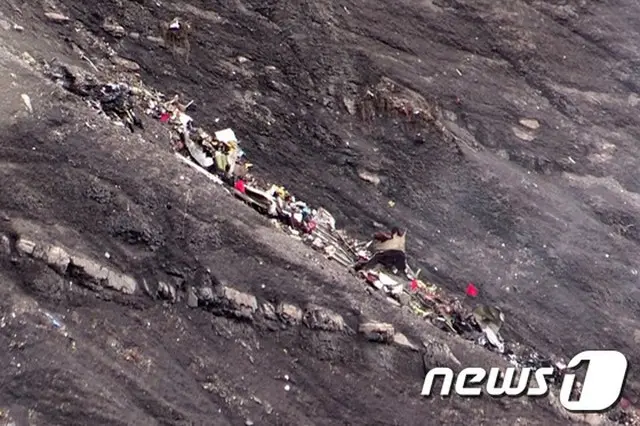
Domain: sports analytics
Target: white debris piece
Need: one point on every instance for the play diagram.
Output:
(27, 102)
(226, 136)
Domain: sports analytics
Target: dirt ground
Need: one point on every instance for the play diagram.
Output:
(540, 215)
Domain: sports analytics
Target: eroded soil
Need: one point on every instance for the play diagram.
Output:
(541, 217)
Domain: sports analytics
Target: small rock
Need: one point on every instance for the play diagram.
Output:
(377, 331)
(248, 422)
(18, 28)
(369, 177)
(319, 318)
(166, 291)
(114, 29)
(521, 134)
(205, 294)
(502, 153)
(28, 58)
(289, 314)
(270, 68)
(5, 245)
(317, 244)
(269, 311)
(27, 102)
(56, 17)
(125, 63)
(25, 246)
(157, 40)
(192, 298)
(242, 59)
(450, 115)
(401, 339)
(530, 123)
(147, 290)
(350, 105)
(134, 35)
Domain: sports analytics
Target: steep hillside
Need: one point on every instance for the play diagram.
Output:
(512, 163)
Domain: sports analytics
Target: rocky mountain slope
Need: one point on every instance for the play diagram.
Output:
(512, 163)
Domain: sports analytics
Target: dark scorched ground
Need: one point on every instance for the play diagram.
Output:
(542, 220)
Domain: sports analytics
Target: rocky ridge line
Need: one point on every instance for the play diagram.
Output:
(220, 300)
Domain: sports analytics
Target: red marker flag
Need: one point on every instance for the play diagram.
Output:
(414, 285)
(239, 185)
(472, 290)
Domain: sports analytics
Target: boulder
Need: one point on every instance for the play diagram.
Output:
(167, 291)
(206, 294)
(57, 258)
(319, 318)
(289, 314)
(121, 282)
(114, 29)
(237, 303)
(192, 298)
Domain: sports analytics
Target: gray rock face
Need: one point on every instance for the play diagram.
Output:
(105, 276)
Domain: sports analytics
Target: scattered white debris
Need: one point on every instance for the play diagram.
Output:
(530, 123)
(226, 136)
(56, 17)
(27, 102)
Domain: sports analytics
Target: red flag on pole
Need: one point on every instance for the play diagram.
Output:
(414, 285)
(472, 290)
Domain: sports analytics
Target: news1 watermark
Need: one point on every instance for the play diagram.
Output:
(604, 380)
